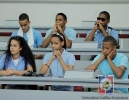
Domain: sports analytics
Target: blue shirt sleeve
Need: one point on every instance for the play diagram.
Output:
(71, 59)
(46, 58)
(70, 33)
(48, 33)
(28, 64)
(14, 33)
(124, 61)
(96, 58)
(88, 33)
(39, 39)
(2, 60)
(114, 34)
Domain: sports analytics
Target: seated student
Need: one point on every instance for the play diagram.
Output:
(58, 61)
(110, 62)
(17, 60)
(60, 26)
(32, 36)
(101, 29)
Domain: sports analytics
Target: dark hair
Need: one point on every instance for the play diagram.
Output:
(23, 16)
(25, 52)
(110, 39)
(61, 38)
(105, 13)
(62, 14)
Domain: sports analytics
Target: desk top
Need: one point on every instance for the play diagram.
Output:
(58, 81)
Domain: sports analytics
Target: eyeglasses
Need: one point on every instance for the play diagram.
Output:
(102, 19)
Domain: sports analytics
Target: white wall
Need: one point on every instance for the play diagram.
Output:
(43, 14)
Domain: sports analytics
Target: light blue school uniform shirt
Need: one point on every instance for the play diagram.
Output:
(99, 36)
(56, 68)
(37, 37)
(69, 32)
(20, 65)
(119, 60)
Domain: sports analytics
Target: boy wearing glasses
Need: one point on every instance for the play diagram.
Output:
(101, 29)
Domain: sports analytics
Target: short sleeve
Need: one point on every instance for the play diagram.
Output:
(48, 33)
(28, 64)
(96, 58)
(46, 58)
(2, 60)
(39, 39)
(114, 34)
(88, 33)
(14, 33)
(71, 34)
(124, 61)
(71, 59)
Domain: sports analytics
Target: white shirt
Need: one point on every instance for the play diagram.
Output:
(16, 61)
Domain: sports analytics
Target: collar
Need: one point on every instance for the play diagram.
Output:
(63, 53)
(115, 56)
(20, 57)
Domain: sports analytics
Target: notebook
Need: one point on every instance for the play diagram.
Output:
(79, 74)
(87, 44)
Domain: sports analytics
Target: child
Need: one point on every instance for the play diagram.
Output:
(110, 62)
(17, 59)
(58, 61)
(60, 26)
(31, 36)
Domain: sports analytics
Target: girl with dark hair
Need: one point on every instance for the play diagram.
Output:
(58, 61)
(17, 59)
